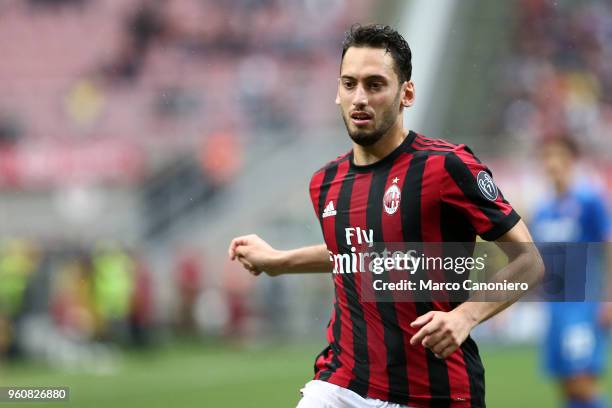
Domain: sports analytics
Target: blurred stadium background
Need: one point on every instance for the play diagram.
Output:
(137, 137)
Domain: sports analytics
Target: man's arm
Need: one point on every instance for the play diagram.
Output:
(525, 265)
(257, 256)
(444, 332)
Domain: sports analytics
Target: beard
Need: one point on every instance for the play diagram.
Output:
(369, 137)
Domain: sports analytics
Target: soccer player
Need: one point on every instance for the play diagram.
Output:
(394, 186)
(574, 349)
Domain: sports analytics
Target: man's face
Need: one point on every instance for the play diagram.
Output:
(558, 161)
(369, 94)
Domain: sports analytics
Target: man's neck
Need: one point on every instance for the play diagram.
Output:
(364, 155)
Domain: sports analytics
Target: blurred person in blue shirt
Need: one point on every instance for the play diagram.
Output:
(576, 217)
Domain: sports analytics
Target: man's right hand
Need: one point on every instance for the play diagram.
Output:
(256, 255)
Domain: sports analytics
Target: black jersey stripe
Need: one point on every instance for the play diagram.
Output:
(361, 365)
(335, 162)
(336, 327)
(410, 206)
(330, 175)
(464, 179)
(475, 371)
(439, 141)
(458, 229)
(471, 154)
(444, 147)
(393, 335)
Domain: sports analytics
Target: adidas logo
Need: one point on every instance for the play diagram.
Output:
(329, 210)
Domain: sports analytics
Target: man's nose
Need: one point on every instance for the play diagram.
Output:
(360, 97)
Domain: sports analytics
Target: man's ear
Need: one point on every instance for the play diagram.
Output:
(408, 94)
(338, 93)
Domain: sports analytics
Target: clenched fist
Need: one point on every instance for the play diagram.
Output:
(256, 255)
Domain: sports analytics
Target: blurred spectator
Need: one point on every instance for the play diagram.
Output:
(221, 156)
(241, 310)
(73, 299)
(189, 283)
(146, 24)
(142, 28)
(557, 78)
(11, 129)
(84, 103)
(141, 308)
(259, 83)
(176, 102)
(18, 261)
(113, 288)
(104, 295)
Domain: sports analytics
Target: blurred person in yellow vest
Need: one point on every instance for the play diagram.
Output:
(18, 260)
(113, 286)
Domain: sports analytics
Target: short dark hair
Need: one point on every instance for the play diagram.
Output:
(566, 142)
(381, 36)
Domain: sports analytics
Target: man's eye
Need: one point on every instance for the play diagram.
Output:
(348, 85)
(376, 85)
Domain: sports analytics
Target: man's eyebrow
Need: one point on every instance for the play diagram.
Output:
(374, 77)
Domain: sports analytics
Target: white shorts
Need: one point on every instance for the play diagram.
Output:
(321, 394)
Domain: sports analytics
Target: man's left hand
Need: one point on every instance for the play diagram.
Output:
(442, 332)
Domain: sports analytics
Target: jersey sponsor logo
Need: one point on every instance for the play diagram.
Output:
(329, 210)
(391, 199)
(355, 261)
(487, 186)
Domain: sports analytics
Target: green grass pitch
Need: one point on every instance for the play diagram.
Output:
(193, 375)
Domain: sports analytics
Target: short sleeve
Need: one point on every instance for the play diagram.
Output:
(468, 186)
(315, 190)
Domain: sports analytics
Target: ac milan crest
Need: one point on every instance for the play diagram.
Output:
(391, 199)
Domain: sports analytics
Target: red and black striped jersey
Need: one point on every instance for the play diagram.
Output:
(426, 190)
